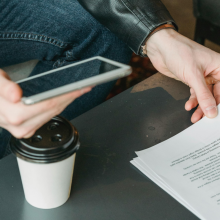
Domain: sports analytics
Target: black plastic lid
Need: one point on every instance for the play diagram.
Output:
(53, 142)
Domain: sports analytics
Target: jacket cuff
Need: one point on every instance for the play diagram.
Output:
(142, 33)
(131, 20)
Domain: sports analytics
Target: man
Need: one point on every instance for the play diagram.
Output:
(61, 32)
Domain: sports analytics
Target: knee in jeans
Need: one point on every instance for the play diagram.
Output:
(89, 38)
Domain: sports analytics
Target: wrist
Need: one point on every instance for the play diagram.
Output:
(160, 40)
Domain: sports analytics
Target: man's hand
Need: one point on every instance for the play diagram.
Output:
(181, 58)
(214, 87)
(21, 120)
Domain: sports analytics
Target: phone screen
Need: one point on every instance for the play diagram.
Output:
(66, 76)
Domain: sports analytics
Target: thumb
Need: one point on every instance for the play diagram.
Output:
(205, 98)
(9, 90)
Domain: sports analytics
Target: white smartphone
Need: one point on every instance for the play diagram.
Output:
(60, 81)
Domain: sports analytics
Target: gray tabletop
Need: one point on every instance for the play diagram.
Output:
(105, 185)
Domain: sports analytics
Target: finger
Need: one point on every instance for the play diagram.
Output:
(205, 97)
(29, 135)
(210, 80)
(197, 115)
(9, 90)
(29, 127)
(192, 102)
(216, 91)
(18, 113)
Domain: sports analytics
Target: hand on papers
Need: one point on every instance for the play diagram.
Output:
(21, 120)
(183, 59)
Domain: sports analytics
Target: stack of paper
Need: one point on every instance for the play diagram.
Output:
(187, 166)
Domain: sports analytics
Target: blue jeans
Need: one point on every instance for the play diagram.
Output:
(56, 32)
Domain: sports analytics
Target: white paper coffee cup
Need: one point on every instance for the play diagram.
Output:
(46, 163)
(47, 186)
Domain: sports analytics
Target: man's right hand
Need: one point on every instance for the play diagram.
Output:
(21, 120)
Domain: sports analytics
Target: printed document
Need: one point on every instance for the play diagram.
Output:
(187, 166)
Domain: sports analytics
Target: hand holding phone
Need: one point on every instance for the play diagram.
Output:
(21, 120)
(90, 72)
(58, 87)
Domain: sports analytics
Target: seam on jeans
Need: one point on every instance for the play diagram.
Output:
(33, 37)
(103, 37)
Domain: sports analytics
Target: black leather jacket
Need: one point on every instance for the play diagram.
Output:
(130, 20)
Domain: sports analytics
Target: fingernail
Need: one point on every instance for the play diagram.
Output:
(211, 112)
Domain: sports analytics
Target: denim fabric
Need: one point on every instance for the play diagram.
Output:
(56, 32)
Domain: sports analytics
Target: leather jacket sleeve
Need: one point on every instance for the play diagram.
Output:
(130, 20)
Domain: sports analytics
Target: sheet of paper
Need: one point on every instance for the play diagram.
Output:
(187, 166)
(148, 172)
